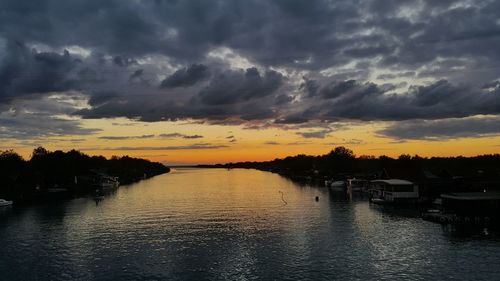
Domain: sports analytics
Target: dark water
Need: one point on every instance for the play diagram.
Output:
(197, 224)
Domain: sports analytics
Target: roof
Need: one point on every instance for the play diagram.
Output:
(472, 196)
(394, 182)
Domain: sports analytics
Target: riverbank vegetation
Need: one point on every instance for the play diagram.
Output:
(72, 173)
(433, 174)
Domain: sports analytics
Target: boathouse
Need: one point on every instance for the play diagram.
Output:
(393, 191)
(476, 204)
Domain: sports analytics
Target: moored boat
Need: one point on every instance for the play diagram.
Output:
(393, 191)
(107, 182)
(4, 202)
(336, 185)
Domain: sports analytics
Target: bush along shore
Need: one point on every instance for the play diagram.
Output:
(58, 174)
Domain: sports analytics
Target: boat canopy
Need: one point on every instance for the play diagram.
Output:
(472, 196)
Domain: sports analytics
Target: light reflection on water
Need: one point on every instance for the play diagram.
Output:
(233, 224)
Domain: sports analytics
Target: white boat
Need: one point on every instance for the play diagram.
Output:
(4, 202)
(337, 185)
(379, 201)
(108, 182)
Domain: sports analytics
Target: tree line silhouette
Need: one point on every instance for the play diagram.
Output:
(475, 172)
(73, 170)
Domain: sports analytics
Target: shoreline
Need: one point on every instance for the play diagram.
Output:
(44, 197)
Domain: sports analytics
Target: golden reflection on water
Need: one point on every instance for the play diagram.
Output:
(230, 224)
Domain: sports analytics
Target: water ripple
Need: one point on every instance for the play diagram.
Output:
(197, 224)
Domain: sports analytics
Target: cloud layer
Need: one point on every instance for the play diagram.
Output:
(422, 64)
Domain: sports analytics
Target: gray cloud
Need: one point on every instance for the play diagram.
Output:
(197, 146)
(230, 94)
(369, 101)
(398, 75)
(316, 134)
(126, 137)
(25, 72)
(118, 59)
(43, 118)
(231, 87)
(309, 35)
(179, 135)
(444, 129)
(186, 76)
(347, 142)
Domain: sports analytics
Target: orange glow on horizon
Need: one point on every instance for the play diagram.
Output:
(223, 144)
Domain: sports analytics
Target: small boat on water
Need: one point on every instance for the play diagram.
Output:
(4, 202)
(336, 185)
(107, 183)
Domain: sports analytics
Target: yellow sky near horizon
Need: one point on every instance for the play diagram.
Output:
(234, 143)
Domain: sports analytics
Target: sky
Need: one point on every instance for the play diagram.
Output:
(185, 82)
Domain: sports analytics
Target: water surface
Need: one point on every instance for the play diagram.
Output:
(216, 224)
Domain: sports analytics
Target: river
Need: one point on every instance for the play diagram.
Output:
(217, 224)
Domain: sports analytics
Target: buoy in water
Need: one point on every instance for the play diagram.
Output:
(317, 198)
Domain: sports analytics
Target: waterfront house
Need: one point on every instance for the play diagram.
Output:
(393, 191)
(431, 182)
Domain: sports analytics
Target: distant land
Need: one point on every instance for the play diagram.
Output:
(434, 175)
(55, 174)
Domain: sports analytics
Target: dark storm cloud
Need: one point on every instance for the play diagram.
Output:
(137, 74)
(491, 85)
(186, 76)
(24, 72)
(284, 99)
(369, 101)
(337, 89)
(231, 87)
(305, 34)
(102, 98)
(309, 86)
(444, 129)
(228, 94)
(121, 51)
(124, 61)
(335, 101)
